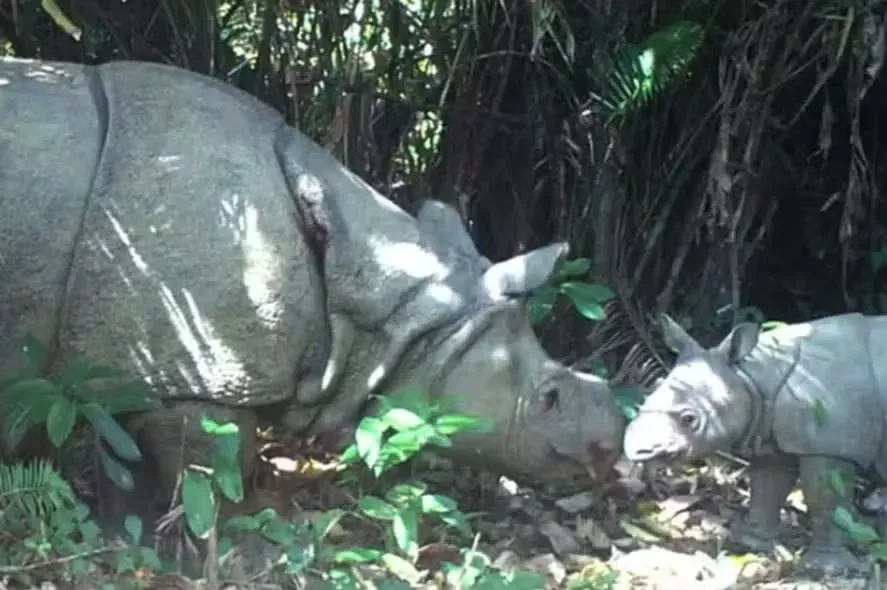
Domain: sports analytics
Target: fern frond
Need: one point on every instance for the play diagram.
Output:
(34, 490)
(637, 73)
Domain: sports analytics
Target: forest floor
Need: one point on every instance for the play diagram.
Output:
(668, 535)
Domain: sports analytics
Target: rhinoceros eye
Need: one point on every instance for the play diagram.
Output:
(689, 420)
(551, 399)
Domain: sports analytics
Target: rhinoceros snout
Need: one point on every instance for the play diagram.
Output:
(603, 459)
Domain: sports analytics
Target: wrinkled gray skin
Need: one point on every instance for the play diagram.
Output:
(174, 227)
(797, 401)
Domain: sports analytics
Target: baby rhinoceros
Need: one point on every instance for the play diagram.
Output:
(798, 402)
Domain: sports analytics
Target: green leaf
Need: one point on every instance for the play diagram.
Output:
(116, 472)
(108, 428)
(454, 423)
(458, 521)
(575, 268)
(325, 522)
(377, 508)
(133, 526)
(435, 503)
(406, 532)
(836, 482)
(587, 298)
(402, 419)
(587, 292)
(358, 555)
(199, 501)
(28, 389)
(60, 422)
(242, 524)
(860, 533)
(368, 437)
(227, 475)
(213, 428)
(406, 493)
(279, 531)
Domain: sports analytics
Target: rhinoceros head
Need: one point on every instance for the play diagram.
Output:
(701, 406)
(549, 420)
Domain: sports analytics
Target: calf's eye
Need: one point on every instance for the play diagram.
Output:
(689, 420)
(551, 399)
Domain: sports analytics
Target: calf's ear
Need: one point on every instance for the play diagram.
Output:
(739, 342)
(675, 337)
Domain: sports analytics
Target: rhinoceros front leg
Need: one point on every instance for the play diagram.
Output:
(827, 552)
(771, 479)
(172, 438)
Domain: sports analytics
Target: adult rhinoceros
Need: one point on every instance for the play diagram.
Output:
(176, 228)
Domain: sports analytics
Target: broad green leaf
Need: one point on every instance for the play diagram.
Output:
(325, 522)
(406, 532)
(350, 455)
(401, 419)
(435, 503)
(368, 437)
(29, 389)
(575, 268)
(227, 445)
(116, 472)
(226, 474)
(107, 427)
(457, 520)
(591, 292)
(406, 492)
(587, 298)
(358, 555)
(212, 427)
(377, 508)
(454, 423)
(60, 422)
(199, 501)
(242, 524)
(279, 531)
(133, 526)
(858, 532)
(837, 483)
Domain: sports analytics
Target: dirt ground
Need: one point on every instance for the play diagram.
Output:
(660, 532)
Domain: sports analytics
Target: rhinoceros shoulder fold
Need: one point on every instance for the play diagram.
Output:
(830, 401)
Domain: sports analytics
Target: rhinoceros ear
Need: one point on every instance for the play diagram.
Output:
(739, 342)
(442, 226)
(676, 338)
(521, 274)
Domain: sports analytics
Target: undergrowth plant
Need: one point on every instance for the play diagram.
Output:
(46, 527)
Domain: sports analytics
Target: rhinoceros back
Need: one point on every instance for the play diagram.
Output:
(160, 194)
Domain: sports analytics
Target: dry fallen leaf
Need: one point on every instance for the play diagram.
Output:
(562, 540)
(576, 503)
(589, 530)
